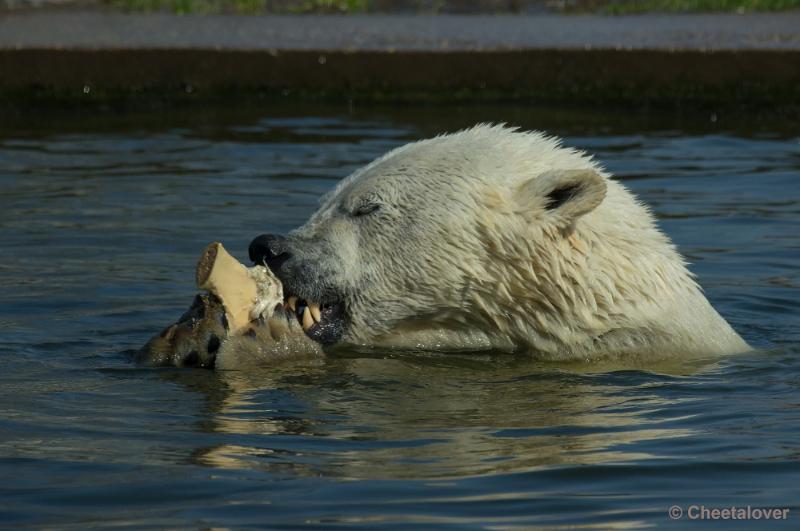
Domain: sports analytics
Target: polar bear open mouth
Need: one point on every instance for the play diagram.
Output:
(322, 322)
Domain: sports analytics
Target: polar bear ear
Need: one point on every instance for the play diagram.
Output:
(567, 193)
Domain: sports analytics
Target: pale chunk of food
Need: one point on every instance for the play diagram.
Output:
(239, 322)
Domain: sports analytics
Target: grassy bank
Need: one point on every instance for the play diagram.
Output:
(625, 7)
(242, 6)
(611, 7)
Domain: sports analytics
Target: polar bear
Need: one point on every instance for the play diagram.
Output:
(492, 238)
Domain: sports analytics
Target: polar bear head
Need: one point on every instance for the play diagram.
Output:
(486, 238)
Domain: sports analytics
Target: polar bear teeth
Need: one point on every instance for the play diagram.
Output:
(307, 313)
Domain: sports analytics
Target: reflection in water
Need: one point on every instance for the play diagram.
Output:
(102, 219)
(428, 417)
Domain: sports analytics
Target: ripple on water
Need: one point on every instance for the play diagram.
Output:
(101, 223)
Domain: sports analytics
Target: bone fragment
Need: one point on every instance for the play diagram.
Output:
(226, 278)
(235, 324)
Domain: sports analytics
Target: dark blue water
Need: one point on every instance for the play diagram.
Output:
(102, 218)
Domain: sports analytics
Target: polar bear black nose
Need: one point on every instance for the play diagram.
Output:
(269, 249)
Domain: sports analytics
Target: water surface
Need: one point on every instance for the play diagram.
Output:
(102, 218)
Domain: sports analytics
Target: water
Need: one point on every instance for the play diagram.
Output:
(104, 214)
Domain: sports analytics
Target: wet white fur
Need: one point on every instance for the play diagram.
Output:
(487, 265)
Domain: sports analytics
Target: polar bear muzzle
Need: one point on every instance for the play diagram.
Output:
(323, 318)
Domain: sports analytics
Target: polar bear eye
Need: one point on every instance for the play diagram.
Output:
(366, 209)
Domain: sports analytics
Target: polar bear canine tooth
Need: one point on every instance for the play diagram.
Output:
(308, 321)
(315, 312)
